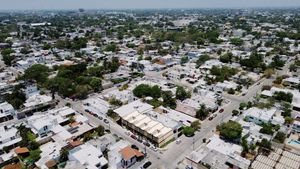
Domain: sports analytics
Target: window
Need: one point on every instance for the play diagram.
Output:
(98, 165)
(45, 128)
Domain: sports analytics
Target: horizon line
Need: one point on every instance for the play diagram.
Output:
(159, 8)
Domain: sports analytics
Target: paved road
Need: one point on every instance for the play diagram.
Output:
(113, 127)
(176, 153)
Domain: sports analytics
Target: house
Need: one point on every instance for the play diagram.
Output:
(259, 116)
(30, 90)
(88, 156)
(296, 125)
(217, 154)
(9, 137)
(41, 125)
(37, 100)
(6, 111)
(50, 153)
(22, 151)
(130, 156)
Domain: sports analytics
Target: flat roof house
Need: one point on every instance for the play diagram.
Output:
(6, 111)
(88, 156)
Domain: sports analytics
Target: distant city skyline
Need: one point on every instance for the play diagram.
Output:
(142, 4)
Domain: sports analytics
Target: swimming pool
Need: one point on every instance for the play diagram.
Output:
(294, 142)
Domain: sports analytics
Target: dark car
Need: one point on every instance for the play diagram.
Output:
(133, 136)
(106, 121)
(147, 164)
(134, 147)
(87, 110)
(210, 118)
(140, 140)
(146, 144)
(221, 110)
(100, 118)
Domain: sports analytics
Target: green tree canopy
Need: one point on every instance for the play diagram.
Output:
(37, 72)
(231, 130)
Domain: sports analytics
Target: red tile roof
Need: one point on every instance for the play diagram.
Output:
(21, 150)
(128, 153)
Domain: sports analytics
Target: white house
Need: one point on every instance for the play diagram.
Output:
(41, 125)
(8, 136)
(6, 111)
(259, 116)
(88, 156)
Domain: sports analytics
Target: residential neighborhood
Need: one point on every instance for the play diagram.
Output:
(157, 89)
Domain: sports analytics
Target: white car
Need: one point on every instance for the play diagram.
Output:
(178, 141)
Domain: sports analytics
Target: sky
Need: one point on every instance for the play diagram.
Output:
(141, 4)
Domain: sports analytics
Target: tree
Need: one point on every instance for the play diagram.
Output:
(226, 58)
(202, 113)
(96, 84)
(277, 62)
(265, 144)
(231, 91)
(243, 106)
(268, 72)
(278, 80)
(188, 131)
(235, 112)
(236, 41)
(287, 112)
(16, 98)
(7, 57)
(184, 60)
(196, 125)
(181, 94)
(231, 130)
(37, 72)
(279, 137)
(100, 130)
(111, 47)
(168, 100)
(202, 59)
(245, 146)
(288, 120)
(110, 113)
(267, 129)
(282, 96)
(82, 91)
(64, 155)
(155, 92)
(115, 102)
(144, 90)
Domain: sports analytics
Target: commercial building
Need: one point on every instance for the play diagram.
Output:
(133, 116)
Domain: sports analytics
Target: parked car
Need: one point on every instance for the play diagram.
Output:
(106, 121)
(139, 140)
(87, 110)
(133, 136)
(178, 141)
(146, 144)
(147, 164)
(210, 118)
(100, 118)
(221, 110)
(134, 147)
